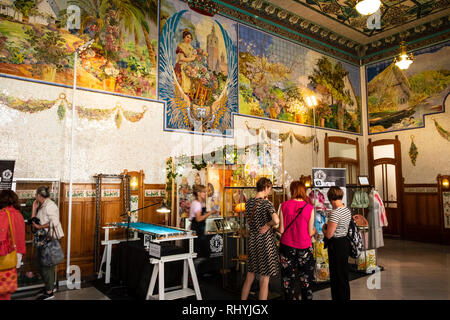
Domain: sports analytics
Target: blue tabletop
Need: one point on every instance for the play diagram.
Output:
(151, 228)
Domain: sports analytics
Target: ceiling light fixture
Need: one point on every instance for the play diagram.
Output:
(403, 60)
(367, 7)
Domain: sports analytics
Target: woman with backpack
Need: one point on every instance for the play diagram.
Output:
(338, 245)
(296, 228)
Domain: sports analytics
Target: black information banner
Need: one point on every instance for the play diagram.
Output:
(6, 174)
(329, 177)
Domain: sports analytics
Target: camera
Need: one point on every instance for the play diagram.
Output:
(35, 220)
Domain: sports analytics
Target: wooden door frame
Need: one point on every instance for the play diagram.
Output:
(341, 160)
(399, 174)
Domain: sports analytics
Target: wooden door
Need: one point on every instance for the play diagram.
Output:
(385, 173)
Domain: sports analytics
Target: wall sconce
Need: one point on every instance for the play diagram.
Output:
(445, 183)
(134, 183)
(306, 181)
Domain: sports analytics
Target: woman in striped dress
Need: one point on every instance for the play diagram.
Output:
(262, 252)
(338, 245)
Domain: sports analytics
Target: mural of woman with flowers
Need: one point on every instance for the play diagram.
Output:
(197, 79)
(185, 54)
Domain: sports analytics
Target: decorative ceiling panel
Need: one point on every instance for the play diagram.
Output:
(393, 13)
(335, 28)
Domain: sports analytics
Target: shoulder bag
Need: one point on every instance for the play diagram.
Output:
(299, 212)
(9, 261)
(278, 234)
(51, 253)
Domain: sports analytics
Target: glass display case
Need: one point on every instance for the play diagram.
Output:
(27, 277)
(235, 242)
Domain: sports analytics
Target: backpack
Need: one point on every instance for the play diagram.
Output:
(354, 236)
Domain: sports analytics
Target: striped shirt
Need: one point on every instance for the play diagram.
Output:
(341, 216)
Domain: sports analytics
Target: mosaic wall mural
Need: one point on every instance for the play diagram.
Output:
(38, 39)
(198, 69)
(399, 99)
(276, 76)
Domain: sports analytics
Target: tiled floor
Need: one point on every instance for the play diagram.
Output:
(82, 294)
(413, 271)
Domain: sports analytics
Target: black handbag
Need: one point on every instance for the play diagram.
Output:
(51, 252)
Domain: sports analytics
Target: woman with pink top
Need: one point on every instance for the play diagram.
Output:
(296, 253)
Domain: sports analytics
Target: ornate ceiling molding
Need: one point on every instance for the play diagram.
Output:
(276, 20)
(430, 33)
(394, 13)
(279, 21)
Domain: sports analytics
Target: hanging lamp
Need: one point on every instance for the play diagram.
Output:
(403, 60)
(366, 7)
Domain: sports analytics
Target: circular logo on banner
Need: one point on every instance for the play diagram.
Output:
(320, 175)
(319, 178)
(216, 244)
(7, 174)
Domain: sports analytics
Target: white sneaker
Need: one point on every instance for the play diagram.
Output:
(46, 296)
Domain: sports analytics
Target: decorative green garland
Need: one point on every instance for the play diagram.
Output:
(445, 134)
(34, 106)
(413, 151)
(282, 136)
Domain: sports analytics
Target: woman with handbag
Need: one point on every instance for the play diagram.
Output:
(296, 253)
(262, 251)
(47, 212)
(12, 242)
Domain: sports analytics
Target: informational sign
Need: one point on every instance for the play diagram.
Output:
(329, 177)
(155, 250)
(363, 180)
(324, 178)
(6, 174)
